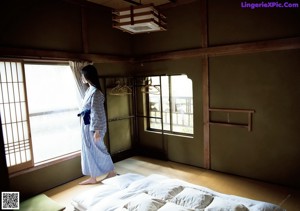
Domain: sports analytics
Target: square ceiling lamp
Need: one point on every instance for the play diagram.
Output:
(139, 19)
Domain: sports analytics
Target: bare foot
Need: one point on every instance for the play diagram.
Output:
(109, 175)
(91, 180)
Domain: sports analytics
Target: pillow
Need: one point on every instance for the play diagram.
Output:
(114, 201)
(90, 197)
(219, 204)
(121, 209)
(165, 190)
(144, 202)
(122, 181)
(146, 182)
(261, 206)
(192, 198)
(174, 207)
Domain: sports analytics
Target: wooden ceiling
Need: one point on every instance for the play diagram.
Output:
(119, 4)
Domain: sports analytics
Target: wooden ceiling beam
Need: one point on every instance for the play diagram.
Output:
(133, 2)
(226, 50)
(60, 55)
(174, 3)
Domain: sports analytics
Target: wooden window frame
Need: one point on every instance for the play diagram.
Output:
(170, 131)
(18, 148)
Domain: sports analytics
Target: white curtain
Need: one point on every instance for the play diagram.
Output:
(76, 67)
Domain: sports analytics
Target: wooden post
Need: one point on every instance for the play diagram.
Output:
(205, 98)
(85, 44)
(205, 84)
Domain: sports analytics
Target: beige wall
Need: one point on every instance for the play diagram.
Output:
(56, 25)
(267, 83)
(229, 23)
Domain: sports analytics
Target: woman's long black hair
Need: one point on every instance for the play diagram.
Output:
(91, 75)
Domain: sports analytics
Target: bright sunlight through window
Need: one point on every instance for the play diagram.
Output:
(53, 105)
(177, 104)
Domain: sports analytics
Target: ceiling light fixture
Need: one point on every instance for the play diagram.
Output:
(139, 19)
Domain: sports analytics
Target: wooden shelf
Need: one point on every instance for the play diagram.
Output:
(120, 118)
(232, 124)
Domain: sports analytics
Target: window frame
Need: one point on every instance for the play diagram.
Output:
(163, 130)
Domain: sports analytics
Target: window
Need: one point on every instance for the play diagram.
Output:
(176, 109)
(52, 105)
(38, 107)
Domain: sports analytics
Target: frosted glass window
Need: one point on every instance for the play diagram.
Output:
(53, 107)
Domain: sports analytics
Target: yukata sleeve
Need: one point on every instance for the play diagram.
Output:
(98, 116)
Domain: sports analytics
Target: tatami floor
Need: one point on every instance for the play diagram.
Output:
(286, 197)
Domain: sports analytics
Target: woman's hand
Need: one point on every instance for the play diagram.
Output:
(97, 136)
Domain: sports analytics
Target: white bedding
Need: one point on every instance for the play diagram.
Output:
(130, 192)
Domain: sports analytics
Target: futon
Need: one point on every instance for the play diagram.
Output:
(131, 191)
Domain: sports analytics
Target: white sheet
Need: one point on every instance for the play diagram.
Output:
(156, 192)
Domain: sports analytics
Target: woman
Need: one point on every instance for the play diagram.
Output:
(95, 160)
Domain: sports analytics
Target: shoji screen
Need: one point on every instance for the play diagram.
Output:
(14, 116)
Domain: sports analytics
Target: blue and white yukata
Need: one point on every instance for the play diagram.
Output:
(95, 159)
